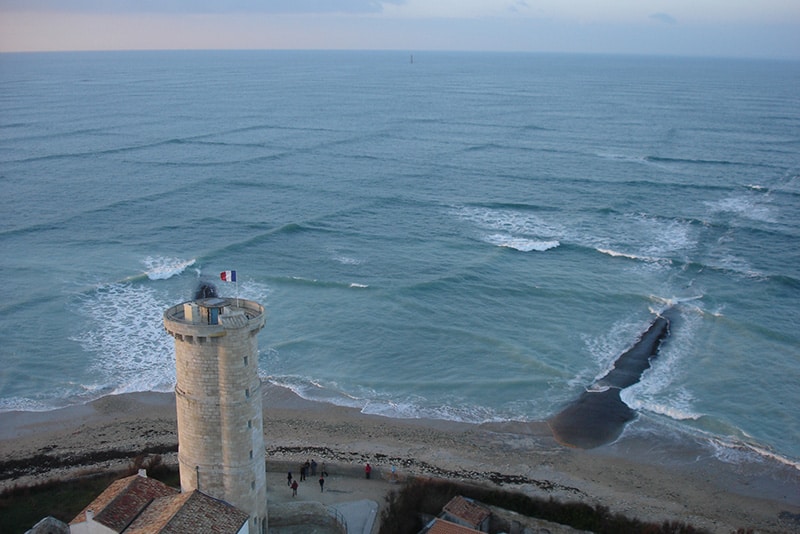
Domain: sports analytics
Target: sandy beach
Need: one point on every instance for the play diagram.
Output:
(649, 478)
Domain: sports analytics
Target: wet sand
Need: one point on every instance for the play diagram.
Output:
(650, 477)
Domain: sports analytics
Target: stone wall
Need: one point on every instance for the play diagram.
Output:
(219, 412)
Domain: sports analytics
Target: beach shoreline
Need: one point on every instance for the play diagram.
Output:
(649, 477)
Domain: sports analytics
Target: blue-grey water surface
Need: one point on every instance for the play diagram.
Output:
(471, 236)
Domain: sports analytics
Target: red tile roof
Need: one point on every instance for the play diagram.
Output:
(467, 511)
(440, 526)
(141, 505)
(158, 514)
(124, 500)
(202, 513)
(189, 512)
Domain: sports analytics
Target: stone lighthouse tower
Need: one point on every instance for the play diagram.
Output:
(218, 398)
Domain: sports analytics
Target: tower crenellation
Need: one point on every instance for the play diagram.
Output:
(218, 399)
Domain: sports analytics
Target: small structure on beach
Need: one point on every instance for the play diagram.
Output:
(460, 516)
(443, 526)
(218, 400)
(468, 513)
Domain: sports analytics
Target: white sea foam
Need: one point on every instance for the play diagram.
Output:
(251, 290)
(163, 268)
(372, 402)
(606, 348)
(733, 452)
(653, 242)
(616, 254)
(520, 230)
(358, 286)
(767, 453)
(126, 335)
(664, 238)
(417, 409)
(347, 260)
(660, 390)
(9, 404)
(677, 407)
(314, 390)
(520, 243)
(748, 206)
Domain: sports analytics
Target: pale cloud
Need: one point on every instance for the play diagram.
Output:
(594, 11)
(198, 6)
(663, 17)
(768, 28)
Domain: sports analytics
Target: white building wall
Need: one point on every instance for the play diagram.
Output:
(90, 526)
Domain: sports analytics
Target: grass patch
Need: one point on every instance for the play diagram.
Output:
(426, 497)
(21, 507)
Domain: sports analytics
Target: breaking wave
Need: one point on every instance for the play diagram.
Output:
(163, 268)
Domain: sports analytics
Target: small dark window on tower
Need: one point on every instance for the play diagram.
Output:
(249, 423)
(251, 454)
(247, 393)
(245, 361)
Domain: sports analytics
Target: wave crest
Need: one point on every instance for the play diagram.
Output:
(163, 267)
(521, 243)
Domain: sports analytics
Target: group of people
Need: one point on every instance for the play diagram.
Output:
(309, 468)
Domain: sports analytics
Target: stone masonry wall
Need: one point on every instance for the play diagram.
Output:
(220, 425)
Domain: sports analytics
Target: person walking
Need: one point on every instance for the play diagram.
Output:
(368, 470)
(321, 484)
(289, 479)
(294, 488)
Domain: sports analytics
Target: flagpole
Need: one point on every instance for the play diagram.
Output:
(230, 276)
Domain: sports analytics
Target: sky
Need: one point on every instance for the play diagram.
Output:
(715, 28)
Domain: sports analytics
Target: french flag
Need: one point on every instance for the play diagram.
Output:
(227, 276)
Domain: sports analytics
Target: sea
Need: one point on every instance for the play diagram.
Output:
(460, 236)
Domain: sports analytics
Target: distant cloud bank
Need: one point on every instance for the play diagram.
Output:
(201, 6)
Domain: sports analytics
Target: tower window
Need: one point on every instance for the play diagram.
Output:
(245, 361)
(253, 485)
(251, 454)
(247, 393)
(249, 423)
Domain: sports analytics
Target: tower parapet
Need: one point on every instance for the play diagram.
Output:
(218, 399)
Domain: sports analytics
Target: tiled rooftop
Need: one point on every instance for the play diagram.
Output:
(201, 513)
(467, 510)
(123, 500)
(141, 505)
(440, 526)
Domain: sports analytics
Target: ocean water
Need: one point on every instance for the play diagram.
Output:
(469, 236)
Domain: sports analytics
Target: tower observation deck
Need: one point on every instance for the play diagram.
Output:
(218, 399)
